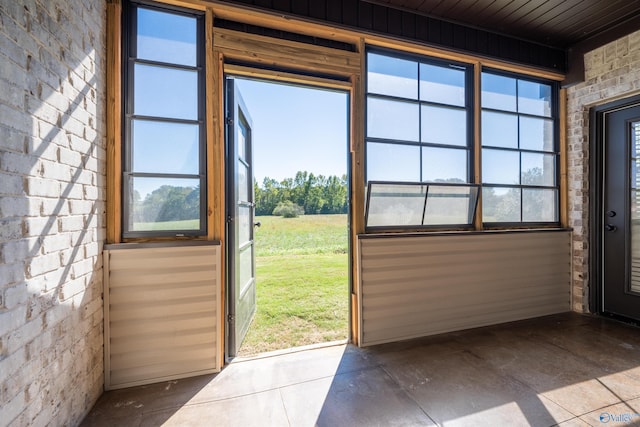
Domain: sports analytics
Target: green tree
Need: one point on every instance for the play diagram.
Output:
(335, 194)
(288, 209)
(315, 193)
(170, 203)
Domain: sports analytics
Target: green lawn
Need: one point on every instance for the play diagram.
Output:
(305, 235)
(302, 276)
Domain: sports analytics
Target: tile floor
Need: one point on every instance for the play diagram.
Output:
(567, 370)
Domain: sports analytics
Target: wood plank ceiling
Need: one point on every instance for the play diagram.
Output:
(557, 23)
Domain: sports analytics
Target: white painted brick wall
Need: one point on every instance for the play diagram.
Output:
(52, 166)
(612, 72)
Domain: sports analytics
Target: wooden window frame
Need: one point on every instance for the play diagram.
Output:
(555, 118)
(130, 60)
(214, 80)
(474, 108)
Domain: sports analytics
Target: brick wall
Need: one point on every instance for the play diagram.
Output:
(52, 163)
(611, 72)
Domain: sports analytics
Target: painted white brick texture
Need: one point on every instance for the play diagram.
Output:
(52, 207)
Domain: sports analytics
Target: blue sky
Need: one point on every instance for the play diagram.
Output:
(299, 128)
(296, 128)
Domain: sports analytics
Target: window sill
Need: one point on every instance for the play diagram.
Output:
(461, 232)
(165, 244)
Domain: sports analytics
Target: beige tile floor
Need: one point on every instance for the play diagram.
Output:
(568, 370)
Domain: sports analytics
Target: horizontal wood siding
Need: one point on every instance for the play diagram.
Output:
(271, 52)
(423, 285)
(163, 319)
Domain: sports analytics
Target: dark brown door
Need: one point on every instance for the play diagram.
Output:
(621, 213)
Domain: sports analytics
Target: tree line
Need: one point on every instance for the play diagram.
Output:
(167, 203)
(316, 194)
(311, 194)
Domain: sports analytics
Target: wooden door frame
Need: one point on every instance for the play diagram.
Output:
(597, 142)
(319, 83)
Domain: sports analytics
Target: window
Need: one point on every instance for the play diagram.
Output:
(419, 120)
(420, 117)
(419, 205)
(164, 169)
(519, 150)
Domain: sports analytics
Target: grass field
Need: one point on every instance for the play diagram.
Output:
(302, 275)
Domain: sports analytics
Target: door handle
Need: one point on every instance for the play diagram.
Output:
(611, 214)
(610, 227)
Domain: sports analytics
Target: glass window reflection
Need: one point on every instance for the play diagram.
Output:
(165, 92)
(499, 92)
(443, 85)
(166, 37)
(391, 76)
(393, 162)
(393, 119)
(420, 205)
(164, 147)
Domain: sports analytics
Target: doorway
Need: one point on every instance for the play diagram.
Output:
(616, 209)
(287, 221)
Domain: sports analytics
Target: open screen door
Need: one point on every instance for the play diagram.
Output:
(241, 282)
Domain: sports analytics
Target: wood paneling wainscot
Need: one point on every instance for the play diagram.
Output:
(161, 312)
(413, 286)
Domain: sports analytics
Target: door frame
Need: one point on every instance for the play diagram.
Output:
(319, 83)
(597, 141)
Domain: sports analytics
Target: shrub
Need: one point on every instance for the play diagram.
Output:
(288, 209)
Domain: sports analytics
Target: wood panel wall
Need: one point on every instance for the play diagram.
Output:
(414, 286)
(162, 312)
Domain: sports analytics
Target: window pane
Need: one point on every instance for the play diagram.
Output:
(246, 268)
(392, 119)
(635, 207)
(538, 169)
(243, 183)
(539, 205)
(444, 164)
(393, 162)
(500, 204)
(166, 37)
(635, 174)
(444, 125)
(392, 76)
(163, 147)
(244, 225)
(498, 92)
(396, 205)
(242, 139)
(164, 204)
(534, 98)
(450, 205)
(499, 130)
(500, 167)
(536, 134)
(442, 84)
(165, 92)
